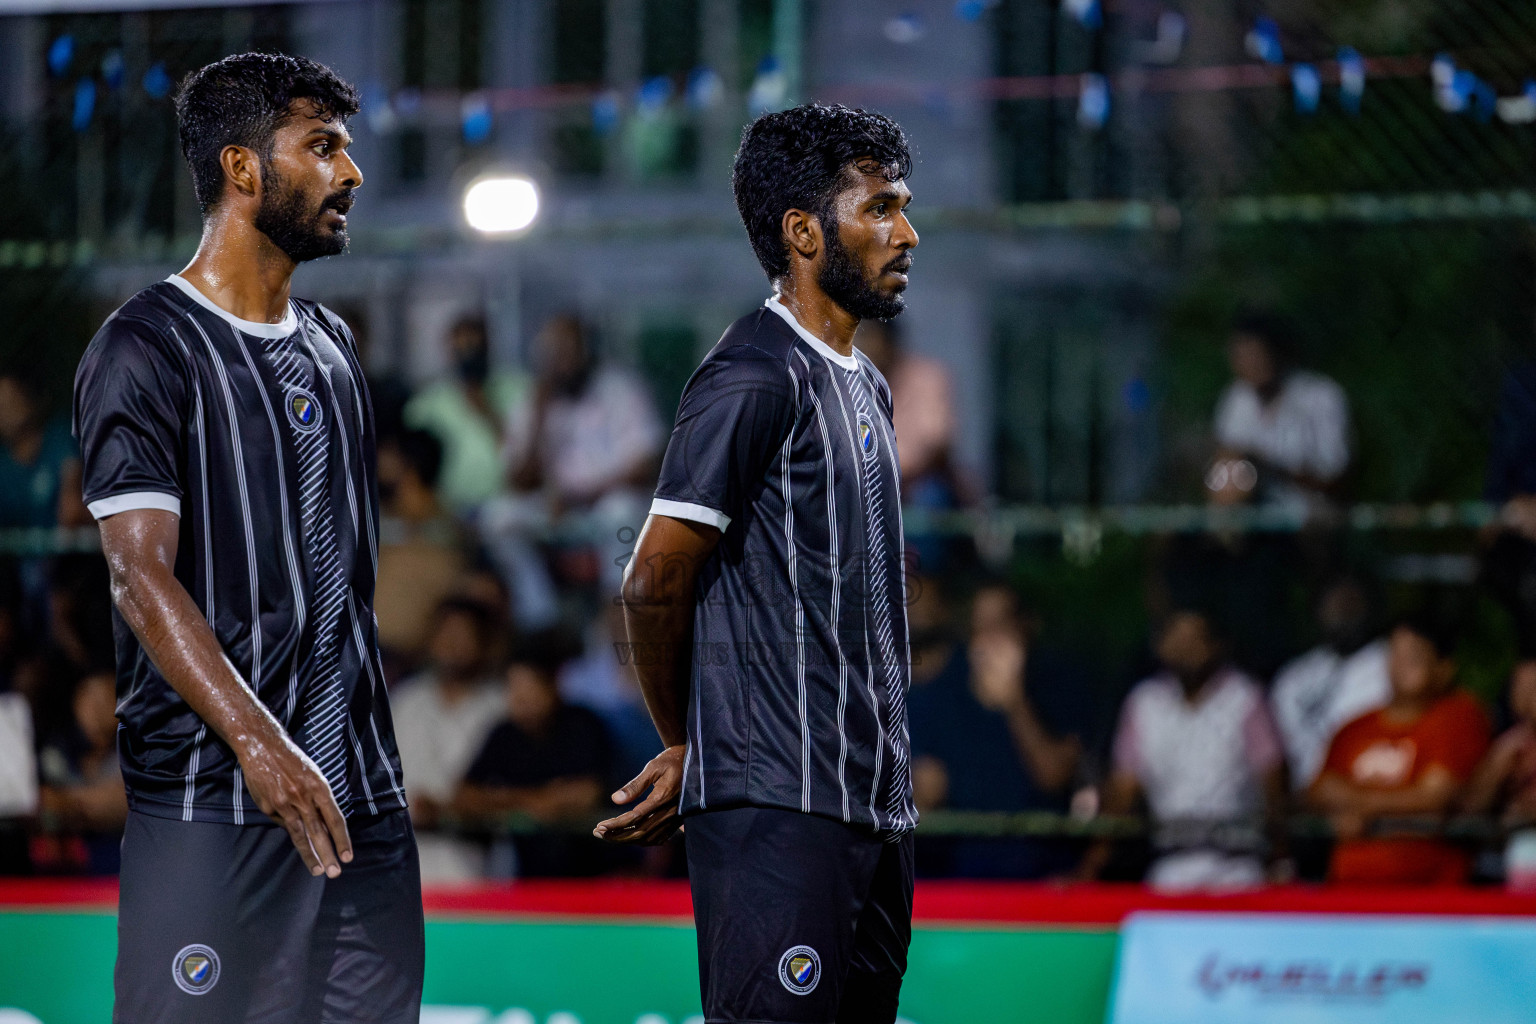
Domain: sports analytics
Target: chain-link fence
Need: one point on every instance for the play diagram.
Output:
(1114, 184)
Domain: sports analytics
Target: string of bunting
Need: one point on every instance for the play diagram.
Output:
(1456, 90)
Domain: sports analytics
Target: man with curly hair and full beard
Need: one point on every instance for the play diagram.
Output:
(269, 868)
(766, 600)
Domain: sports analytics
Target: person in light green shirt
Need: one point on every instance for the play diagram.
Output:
(471, 413)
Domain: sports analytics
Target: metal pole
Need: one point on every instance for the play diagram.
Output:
(787, 35)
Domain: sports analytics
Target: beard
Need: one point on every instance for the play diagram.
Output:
(294, 226)
(843, 278)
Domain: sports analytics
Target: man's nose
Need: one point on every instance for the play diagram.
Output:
(352, 175)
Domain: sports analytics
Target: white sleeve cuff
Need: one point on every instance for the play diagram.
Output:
(691, 512)
(101, 508)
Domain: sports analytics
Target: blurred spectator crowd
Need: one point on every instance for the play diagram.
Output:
(1250, 750)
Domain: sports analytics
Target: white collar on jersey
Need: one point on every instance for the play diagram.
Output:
(827, 352)
(279, 330)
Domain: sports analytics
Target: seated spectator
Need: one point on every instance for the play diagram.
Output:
(469, 412)
(1408, 760)
(591, 445)
(39, 463)
(547, 760)
(483, 585)
(922, 395)
(419, 544)
(75, 639)
(1288, 424)
(1249, 574)
(594, 430)
(936, 642)
(1504, 784)
(387, 389)
(1505, 781)
(1003, 733)
(1338, 680)
(80, 613)
(1196, 741)
(1509, 564)
(14, 638)
(40, 483)
(442, 716)
(18, 781)
(84, 805)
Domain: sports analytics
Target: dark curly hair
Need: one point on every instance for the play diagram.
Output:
(241, 101)
(798, 159)
(1277, 332)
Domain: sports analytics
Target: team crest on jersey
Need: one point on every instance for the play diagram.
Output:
(866, 436)
(800, 970)
(196, 969)
(303, 409)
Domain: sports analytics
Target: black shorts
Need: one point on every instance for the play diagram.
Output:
(223, 924)
(801, 920)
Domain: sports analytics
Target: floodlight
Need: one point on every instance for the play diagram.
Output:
(501, 205)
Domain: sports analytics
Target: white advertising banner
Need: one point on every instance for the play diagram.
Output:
(1177, 968)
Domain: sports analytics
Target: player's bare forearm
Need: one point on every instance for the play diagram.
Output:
(140, 547)
(659, 591)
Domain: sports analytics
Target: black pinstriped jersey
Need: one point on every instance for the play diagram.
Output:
(800, 668)
(260, 437)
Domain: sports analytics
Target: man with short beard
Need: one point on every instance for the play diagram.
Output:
(269, 869)
(766, 600)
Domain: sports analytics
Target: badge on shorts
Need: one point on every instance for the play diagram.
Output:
(196, 969)
(800, 970)
(303, 409)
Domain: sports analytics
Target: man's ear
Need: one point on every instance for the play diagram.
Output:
(803, 232)
(242, 169)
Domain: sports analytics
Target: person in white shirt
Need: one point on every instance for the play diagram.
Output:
(590, 444)
(442, 717)
(1340, 679)
(593, 430)
(1288, 424)
(18, 758)
(1197, 743)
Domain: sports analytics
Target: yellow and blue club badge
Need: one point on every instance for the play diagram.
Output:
(800, 970)
(303, 409)
(196, 969)
(866, 436)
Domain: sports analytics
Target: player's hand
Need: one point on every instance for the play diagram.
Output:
(653, 820)
(290, 790)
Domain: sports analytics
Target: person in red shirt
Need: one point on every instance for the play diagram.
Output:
(1409, 760)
